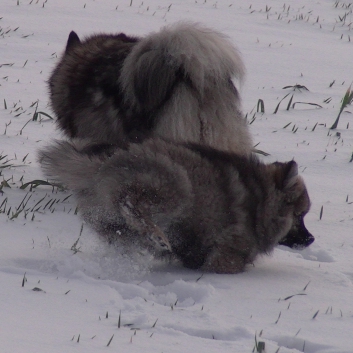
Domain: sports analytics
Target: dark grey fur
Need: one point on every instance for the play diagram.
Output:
(211, 209)
(175, 83)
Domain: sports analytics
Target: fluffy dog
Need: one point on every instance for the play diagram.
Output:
(211, 209)
(175, 83)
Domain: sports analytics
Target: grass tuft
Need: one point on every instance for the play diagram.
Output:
(154, 325)
(260, 106)
(290, 102)
(313, 104)
(259, 345)
(37, 289)
(306, 286)
(347, 100)
(37, 115)
(280, 313)
(24, 280)
(110, 341)
(199, 277)
(291, 296)
(76, 249)
(276, 110)
(34, 183)
(296, 87)
(315, 314)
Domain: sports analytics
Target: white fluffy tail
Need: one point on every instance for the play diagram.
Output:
(204, 56)
(63, 162)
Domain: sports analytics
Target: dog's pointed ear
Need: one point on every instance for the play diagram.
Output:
(72, 41)
(290, 174)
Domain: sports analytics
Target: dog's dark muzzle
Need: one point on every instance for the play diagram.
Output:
(298, 239)
(294, 242)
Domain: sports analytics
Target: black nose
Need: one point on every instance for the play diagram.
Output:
(297, 240)
(309, 239)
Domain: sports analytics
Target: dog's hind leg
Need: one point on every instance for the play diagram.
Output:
(148, 190)
(222, 260)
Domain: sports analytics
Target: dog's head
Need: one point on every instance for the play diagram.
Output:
(296, 202)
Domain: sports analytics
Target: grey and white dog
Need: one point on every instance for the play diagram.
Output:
(176, 83)
(210, 209)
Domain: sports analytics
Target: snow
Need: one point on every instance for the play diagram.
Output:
(294, 301)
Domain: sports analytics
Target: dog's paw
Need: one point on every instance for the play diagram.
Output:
(159, 239)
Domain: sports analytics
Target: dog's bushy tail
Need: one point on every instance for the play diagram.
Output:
(64, 163)
(203, 56)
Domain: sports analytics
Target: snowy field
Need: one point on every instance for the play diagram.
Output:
(63, 290)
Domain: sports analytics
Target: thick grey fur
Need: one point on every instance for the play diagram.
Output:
(175, 83)
(212, 210)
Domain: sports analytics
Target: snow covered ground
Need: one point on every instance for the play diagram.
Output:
(96, 299)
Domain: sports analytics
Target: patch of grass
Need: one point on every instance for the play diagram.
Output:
(260, 106)
(313, 104)
(6, 125)
(276, 110)
(34, 183)
(24, 280)
(291, 296)
(259, 345)
(306, 286)
(290, 102)
(280, 313)
(110, 341)
(255, 150)
(347, 100)
(315, 314)
(296, 87)
(154, 325)
(37, 115)
(76, 249)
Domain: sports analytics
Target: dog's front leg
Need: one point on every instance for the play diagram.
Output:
(150, 233)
